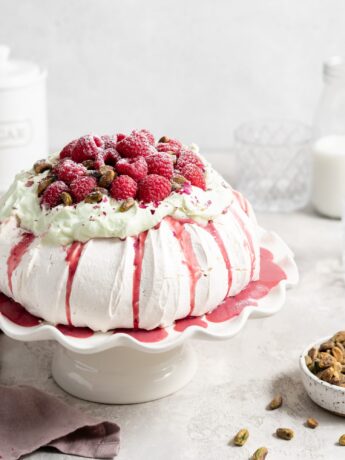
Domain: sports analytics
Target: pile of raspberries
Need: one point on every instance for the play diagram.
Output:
(127, 168)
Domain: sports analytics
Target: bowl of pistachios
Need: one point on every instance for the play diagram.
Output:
(323, 372)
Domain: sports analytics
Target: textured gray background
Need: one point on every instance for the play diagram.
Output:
(192, 68)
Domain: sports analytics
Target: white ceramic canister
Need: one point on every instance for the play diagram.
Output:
(23, 116)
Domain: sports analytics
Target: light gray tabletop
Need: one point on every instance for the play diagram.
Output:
(236, 378)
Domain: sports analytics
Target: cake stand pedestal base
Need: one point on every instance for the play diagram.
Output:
(123, 375)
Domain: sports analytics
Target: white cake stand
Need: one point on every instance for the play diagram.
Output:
(126, 367)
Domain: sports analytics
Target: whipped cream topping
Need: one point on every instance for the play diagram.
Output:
(82, 222)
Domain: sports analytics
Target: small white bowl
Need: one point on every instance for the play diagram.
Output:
(330, 397)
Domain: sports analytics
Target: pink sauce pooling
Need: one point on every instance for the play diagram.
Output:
(155, 335)
(16, 255)
(73, 331)
(185, 241)
(139, 248)
(73, 255)
(16, 313)
(270, 276)
(185, 323)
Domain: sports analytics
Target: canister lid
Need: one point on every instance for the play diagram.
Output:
(15, 72)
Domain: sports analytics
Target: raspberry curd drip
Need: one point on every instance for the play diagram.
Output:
(16, 255)
(241, 201)
(73, 255)
(249, 240)
(190, 259)
(139, 248)
(210, 227)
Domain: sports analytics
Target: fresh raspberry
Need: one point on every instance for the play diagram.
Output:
(111, 156)
(188, 157)
(153, 188)
(161, 164)
(52, 194)
(82, 186)
(68, 149)
(195, 175)
(67, 170)
(86, 148)
(120, 137)
(109, 142)
(135, 145)
(99, 160)
(136, 168)
(123, 187)
(149, 136)
(172, 145)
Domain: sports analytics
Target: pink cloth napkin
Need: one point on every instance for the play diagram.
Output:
(30, 419)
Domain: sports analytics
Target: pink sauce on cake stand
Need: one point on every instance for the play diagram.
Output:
(271, 275)
(135, 365)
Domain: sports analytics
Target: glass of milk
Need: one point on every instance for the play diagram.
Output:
(328, 189)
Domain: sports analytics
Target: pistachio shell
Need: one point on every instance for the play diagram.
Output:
(105, 168)
(66, 198)
(241, 437)
(326, 345)
(89, 164)
(330, 375)
(339, 336)
(94, 197)
(41, 166)
(179, 179)
(313, 353)
(285, 433)
(260, 454)
(308, 361)
(312, 423)
(337, 353)
(276, 402)
(106, 178)
(44, 184)
(342, 440)
(324, 360)
(127, 204)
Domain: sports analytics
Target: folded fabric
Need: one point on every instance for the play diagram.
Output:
(30, 419)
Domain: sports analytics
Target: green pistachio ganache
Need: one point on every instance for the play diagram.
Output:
(83, 221)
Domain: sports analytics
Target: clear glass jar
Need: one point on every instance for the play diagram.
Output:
(328, 190)
(274, 167)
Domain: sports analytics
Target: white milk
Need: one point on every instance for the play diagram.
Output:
(328, 193)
